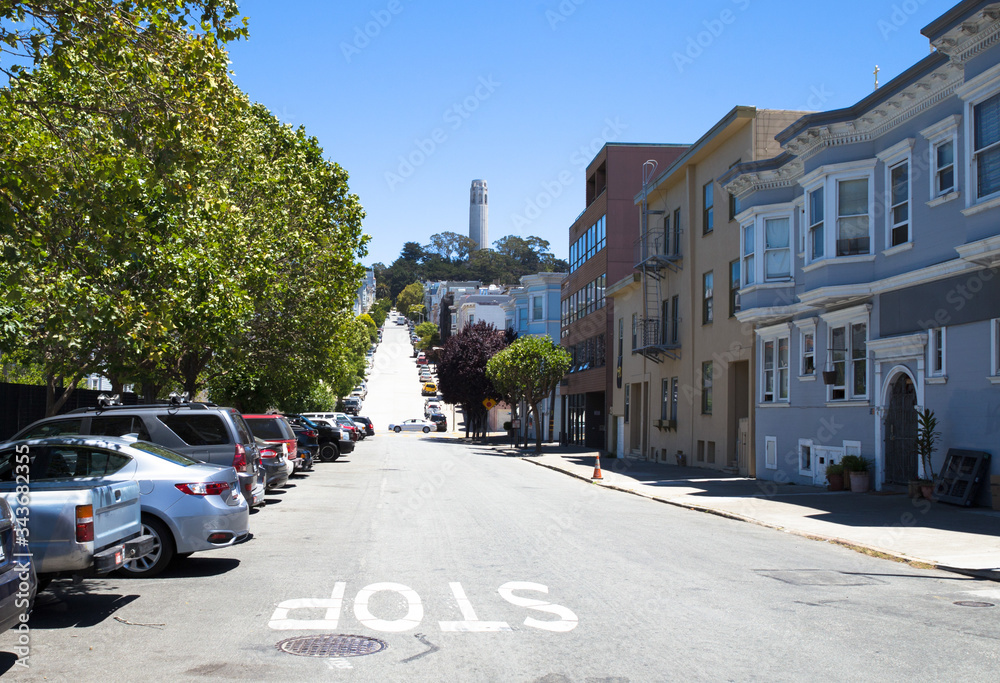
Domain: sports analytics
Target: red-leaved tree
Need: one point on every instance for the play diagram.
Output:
(462, 372)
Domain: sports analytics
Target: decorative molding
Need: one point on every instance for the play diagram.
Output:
(985, 252)
(944, 199)
(898, 151)
(971, 37)
(943, 128)
(846, 315)
(898, 249)
(981, 207)
(903, 347)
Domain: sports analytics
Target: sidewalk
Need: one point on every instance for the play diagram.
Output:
(942, 536)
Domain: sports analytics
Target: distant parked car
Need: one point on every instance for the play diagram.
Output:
(18, 583)
(440, 420)
(366, 424)
(414, 425)
(430, 389)
(330, 441)
(352, 405)
(201, 431)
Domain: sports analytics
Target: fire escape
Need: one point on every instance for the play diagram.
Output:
(657, 252)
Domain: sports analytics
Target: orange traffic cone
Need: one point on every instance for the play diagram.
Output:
(597, 468)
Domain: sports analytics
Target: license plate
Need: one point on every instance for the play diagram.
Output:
(3, 553)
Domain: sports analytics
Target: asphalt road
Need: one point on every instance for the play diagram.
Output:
(472, 566)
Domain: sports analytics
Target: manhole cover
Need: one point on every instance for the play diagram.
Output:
(332, 645)
(973, 603)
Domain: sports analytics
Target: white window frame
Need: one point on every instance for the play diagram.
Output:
(973, 92)
(892, 158)
(807, 327)
(787, 247)
(828, 177)
(937, 340)
(758, 221)
(808, 225)
(940, 133)
(773, 335)
(535, 297)
(847, 318)
(811, 470)
(771, 452)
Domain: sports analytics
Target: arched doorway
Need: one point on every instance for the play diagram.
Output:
(901, 432)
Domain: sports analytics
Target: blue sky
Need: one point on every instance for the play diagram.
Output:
(416, 99)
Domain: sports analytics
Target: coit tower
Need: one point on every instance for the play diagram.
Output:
(479, 218)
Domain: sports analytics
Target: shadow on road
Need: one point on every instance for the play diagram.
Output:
(64, 605)
(7, 662)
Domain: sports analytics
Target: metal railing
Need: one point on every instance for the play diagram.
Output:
(658, 244)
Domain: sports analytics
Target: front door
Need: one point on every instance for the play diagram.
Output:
(901, 432)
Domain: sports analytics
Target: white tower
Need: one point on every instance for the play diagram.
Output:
(479, 218)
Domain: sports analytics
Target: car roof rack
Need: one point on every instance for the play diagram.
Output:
(195, 405)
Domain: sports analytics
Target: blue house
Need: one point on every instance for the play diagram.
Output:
(869, 253)
(533, 310)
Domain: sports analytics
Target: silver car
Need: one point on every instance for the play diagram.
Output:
(187, 505)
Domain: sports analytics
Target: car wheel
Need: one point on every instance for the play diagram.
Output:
(329, 453)
(397, 430)
(427, 430)
(163, 551)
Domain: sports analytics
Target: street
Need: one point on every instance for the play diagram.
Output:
(474, 566)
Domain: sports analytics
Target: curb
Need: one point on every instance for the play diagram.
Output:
(987, 574)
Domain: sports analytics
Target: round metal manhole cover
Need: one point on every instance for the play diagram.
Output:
(332, 645)
(973, 603)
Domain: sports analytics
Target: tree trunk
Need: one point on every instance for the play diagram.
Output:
(538, 429)
(150, 390)
(57, 392)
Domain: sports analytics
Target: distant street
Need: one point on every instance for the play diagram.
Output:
(473, 566)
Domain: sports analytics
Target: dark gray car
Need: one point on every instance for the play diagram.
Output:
(201, 431)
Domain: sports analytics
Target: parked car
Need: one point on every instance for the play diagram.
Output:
(361, 390)
(366, 425)
(201, 431)
(429, 389)
(190, 506)
(273, 429)
(352, 405)
(79, 523)
(333, 449)
(18, 582)
(431, 407)
(440, 420)
(274, 462)
(414, 425)
(330, 441)
(307, 444)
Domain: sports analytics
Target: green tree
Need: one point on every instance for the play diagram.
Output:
(429, 336)
(529, 370)
(411, 295)
(370, 325)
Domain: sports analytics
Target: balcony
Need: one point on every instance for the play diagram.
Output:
(658, 248)
(653, 340)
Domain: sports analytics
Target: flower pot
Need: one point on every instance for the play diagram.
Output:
(847, 479)
(927, 490)
(913, 489)
(835, 482)
(829, 377)
(859, 482)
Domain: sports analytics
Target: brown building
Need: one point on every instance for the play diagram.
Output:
(602, 242)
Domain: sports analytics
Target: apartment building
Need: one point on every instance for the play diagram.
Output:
(683, 363)
(869, 248)
(600, 251)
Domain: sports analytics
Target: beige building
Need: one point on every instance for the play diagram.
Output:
(683, 385)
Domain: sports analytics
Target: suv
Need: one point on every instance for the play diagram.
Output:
(440, 420)
(352, 405)
(201, 431)
(331, 440)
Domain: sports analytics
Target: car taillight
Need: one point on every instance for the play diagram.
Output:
(268, 453)
(211, 488)
(84, 523)
(311, 433)
(240, 459)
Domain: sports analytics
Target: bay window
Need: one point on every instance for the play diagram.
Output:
(986, 146)
(816, 242)
(777, 252)
(852, 217)
(899, 204)
(748, 255)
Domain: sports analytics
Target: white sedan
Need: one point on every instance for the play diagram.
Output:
(414, 425)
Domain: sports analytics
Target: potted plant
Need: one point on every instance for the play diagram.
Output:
(927, 437)
(859, 475)
(848, 463)
(835, 477)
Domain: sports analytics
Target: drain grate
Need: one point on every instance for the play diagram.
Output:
(973, 603)
(332, 645)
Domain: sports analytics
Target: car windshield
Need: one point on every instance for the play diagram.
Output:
(165, 453)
